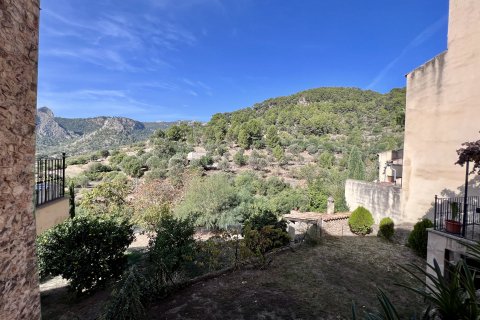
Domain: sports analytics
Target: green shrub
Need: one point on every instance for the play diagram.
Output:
(264, 232)
(77, 160)
(156, 174)
(312, 149)
(86, 250)
(260, 241)
(104, 153)
(132, 166)
(223, 164)
(81, 181)
(171, 248)
(155, 162)
(418, 238)
(386, 228)
(206, 161)
(96, 167)
(212, 201)
(126, 302)
(361, 221)
(256, 161)
(240, 158)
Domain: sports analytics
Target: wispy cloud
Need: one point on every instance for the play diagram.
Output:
(186, 4)
(421, 38)
(91, 101)
(105, 58)
(117, 40)
(198, 85)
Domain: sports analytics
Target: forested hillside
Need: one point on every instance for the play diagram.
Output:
(284, 153)
(329, 119)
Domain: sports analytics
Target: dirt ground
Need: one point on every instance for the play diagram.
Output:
(309, 283)
(306, 283)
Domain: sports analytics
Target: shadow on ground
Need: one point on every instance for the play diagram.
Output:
(309, 283)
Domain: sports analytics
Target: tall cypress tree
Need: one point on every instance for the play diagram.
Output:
(356, 167)
(71, 200)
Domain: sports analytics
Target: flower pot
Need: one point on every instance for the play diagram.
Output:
(453, 226)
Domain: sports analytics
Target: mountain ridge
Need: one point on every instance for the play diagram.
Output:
(82, 135)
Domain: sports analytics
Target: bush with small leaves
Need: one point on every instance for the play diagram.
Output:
(264, 232)
(256, 162)
(312, 149)
(295, 149)
(81, 181)
(156, 174)
(104, 153)
(386, 228)
(240, 158)
(361, 221)
(278, 153)
(98, 167)
(155, 162)
(86, 250)
(132, 166)
(172, 247)
(418, 238)
(223, 164)
(206, 161)
(77, 160)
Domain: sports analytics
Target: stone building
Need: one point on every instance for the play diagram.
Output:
(19, 290)
(390, 166)
(443, 104)
(442, 112)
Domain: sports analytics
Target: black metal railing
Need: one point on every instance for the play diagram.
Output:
(458, 216)
(49, 179)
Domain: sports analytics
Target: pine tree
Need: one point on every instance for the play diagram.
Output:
(272, 138)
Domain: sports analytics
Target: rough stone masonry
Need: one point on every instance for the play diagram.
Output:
(19, 291)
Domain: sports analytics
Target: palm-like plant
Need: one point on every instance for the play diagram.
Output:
(451, 295)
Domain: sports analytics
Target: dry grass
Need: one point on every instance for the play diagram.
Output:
(310, 283)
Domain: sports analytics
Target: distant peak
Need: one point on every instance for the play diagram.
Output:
(46, 110)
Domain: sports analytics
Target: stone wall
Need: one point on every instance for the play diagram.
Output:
(442, 112)
(382, 200)
(19, 291)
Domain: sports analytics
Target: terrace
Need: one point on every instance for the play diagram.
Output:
(51, 206)
(459, 217)
(49, 180)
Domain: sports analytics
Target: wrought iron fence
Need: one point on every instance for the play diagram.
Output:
(49, 179)
(464, 212)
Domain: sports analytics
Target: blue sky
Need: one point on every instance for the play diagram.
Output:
(163, 60)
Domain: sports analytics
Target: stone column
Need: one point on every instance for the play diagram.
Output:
(19, 290)
(330, 205)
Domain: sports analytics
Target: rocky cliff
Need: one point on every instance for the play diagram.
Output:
(82, 135)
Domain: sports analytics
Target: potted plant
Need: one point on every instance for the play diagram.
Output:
(452, 225)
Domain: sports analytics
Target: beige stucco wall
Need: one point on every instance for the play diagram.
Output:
(380, 199)
(443, 104)
(438, 243)
(51, 214)
(19, 290)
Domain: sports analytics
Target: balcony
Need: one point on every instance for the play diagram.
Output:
(51, 206)
(459, 217)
